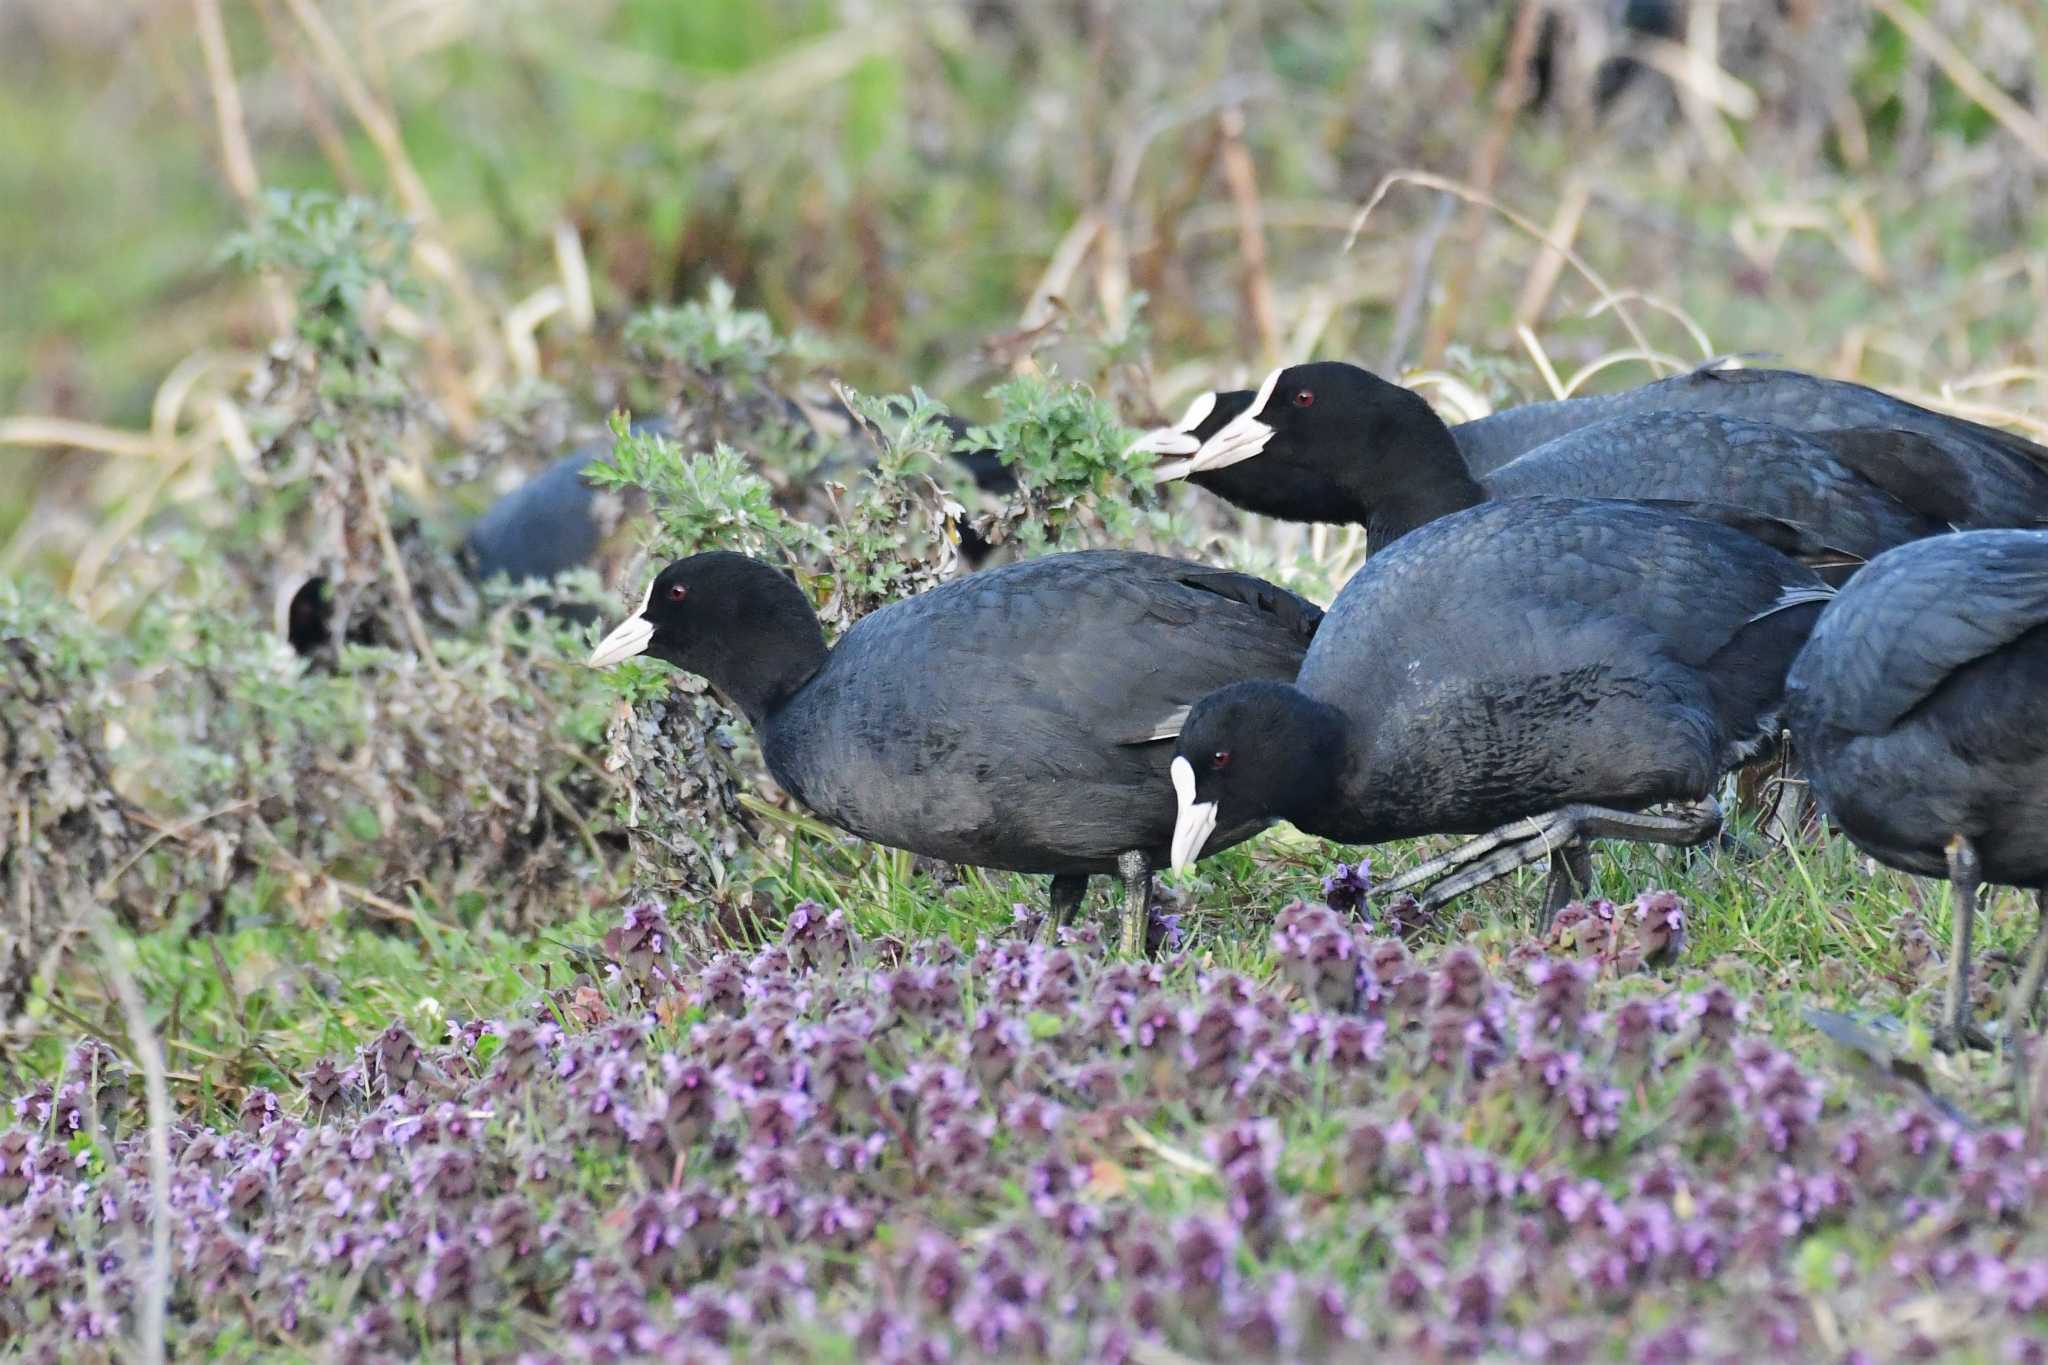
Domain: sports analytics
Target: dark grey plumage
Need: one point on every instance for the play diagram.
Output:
(1518, 657)
(1513, 660)
(1018, 718)
(544, 527)
(1784, 398)
(1921, 706)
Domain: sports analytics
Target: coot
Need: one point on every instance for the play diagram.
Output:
(1539, 672)
(1921, 705)
(2001, 473)
(1332, 442)
(1017, 718)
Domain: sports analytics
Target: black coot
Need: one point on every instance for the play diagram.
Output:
(1998, 466)
(1332, 442)
(1017, 718)
(1544, 669)
(1921, 706)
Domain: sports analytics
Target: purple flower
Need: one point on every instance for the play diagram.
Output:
(1716, 1015)
(639, 949)
(1346, 889)
(1562, 989)
(1318, 954)
(1659, 921)
(1202, 1253)
(818, 940)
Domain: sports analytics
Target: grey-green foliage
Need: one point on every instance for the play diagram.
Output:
(1066, 447)
(339, 252)
(708, 500)
(897, 532)
(713, 339)
(223, 752)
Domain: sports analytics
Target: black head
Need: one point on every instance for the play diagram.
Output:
(744, 626)
(1330, 442)
(1248, 755)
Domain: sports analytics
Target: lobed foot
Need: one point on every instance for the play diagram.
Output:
(1521, 842)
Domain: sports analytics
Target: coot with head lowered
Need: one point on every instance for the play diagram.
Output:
(1786, 399)
(1921, 705)
(1537, 671)
(1019, 718)
(1332, 442)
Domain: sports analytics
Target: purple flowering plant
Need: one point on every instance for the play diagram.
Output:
(1364, 1146)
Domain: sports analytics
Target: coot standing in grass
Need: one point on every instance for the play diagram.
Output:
(1332, 442)
(1538, 672)
(1921, 706)
(1018, 718)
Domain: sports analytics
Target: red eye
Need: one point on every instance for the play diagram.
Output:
(1220, 759)
(1303, 397)
(677, 592)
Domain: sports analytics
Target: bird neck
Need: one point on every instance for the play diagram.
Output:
(768, 655)
(766, 680)
(1425, 479)
(1315, 737)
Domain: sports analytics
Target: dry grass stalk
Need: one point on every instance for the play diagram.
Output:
(1705, 91)
(1541, 358)
(394, 563)
(2026, 129)
(1473, 195)
(65, 434)
(433, 253)
(1564, 227)
(238, 161)
(1059, 272)
(574, 269)
(795, 77)
(1421, 265)
(1620, 357)
(1664, 306)
(1509, 95)
(115, 531)
(1241, 176)
(319, 121)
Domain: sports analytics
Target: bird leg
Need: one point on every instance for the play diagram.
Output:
(1571, 875)
(1068, 890)
(1136, 870)
(1514, 832)
(1965, 874)
(1789, 808)
(1521, 842)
